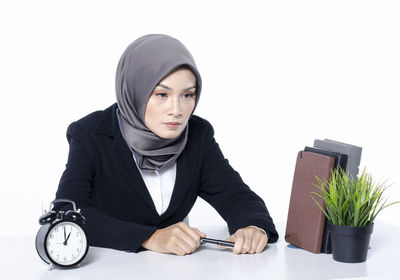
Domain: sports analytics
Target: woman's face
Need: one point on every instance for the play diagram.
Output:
(171, 104)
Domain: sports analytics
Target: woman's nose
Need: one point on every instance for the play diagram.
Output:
(175, 107)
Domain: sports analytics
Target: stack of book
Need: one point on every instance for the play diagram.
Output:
(306, 223)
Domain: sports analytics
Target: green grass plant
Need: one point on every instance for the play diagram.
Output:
(351, 202)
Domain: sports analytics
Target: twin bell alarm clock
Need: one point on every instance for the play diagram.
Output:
(62, 240)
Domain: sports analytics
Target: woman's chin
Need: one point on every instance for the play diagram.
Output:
(169, 134)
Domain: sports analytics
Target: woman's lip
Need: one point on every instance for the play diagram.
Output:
(172, 125)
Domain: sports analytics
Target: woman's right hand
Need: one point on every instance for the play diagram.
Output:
(179, 239)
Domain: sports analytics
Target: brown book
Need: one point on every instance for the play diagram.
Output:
(305, 222)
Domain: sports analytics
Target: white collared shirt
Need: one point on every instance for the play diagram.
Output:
(160, 184)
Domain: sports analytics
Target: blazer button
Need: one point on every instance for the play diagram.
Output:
(154, 173)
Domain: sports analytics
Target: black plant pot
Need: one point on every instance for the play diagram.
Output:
(350, 244)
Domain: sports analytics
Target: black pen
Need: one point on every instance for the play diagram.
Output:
(218, 242)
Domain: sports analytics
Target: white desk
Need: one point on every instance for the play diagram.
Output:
(208, 262)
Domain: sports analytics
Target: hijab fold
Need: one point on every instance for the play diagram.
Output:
(144, 63)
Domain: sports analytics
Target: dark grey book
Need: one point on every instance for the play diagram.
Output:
(340, 159)
(353, 153)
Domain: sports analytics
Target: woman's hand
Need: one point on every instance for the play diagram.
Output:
(179, 239)
(248, 240)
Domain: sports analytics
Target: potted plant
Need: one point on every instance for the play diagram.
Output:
(351, 206)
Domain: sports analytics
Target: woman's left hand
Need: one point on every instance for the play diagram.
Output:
(248, 240)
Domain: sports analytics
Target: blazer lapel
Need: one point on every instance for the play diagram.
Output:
(130, 172)
(185, 170)
(123, 159)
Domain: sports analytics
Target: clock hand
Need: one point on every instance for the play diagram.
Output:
(65, 238)
(69, 234)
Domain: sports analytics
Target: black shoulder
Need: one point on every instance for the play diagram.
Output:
(197, 122)
(90, 120)
(89, 123)
(200, 128)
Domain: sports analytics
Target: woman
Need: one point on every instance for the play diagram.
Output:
(136, 168)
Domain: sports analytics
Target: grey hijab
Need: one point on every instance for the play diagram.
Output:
(144, 63)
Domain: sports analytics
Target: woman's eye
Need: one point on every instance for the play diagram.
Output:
(162, 95)
(189, 95)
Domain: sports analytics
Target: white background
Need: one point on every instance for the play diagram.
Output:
(276, 75)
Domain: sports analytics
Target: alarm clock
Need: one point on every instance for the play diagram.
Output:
(62, 239)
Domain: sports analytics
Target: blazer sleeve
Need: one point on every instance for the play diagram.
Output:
(77, 184)
(224, 189)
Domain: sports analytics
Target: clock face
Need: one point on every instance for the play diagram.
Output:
(66, 243)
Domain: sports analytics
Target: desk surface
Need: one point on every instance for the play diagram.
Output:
(278, 261)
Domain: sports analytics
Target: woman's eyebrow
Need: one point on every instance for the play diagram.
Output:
(166, 87)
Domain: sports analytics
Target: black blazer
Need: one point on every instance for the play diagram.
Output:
(102, 178)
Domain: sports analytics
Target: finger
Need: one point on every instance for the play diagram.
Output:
(194, 233)
(258, 236)
(261, 245)
(231, 238)
(189, 235)
(177, 250)
(190, 241)
(256, 240)
(239, 237)
(175, 246)
(182, 237)
(202, 234)
(184, 247)
(248, 241)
